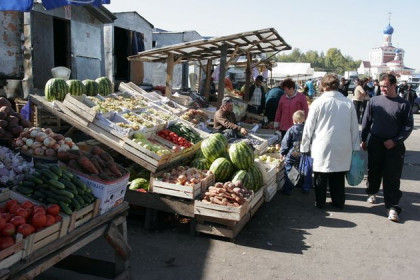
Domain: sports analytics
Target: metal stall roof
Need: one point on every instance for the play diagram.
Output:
(254, 42)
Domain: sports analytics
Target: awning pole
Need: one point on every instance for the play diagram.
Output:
(222, 67)
(169, 74)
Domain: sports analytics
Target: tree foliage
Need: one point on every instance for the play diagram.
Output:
(332, 61)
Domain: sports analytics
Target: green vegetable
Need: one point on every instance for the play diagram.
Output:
(139, 183)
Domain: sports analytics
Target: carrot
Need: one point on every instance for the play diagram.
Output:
(96, 163)
(87, 165)
(74, 165)
(106, 157)
(101, 162)
(66, 156)
(97, 151)
(113, 168)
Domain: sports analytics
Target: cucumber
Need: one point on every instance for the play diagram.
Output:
(36, 173)
(67, 173)
(69, 185)
(62, 192)
(39, 194)
(65, 177)
(65, 208)
(57, 170)
(86, 199)
(49, 174)
(28, 184)
(34, 179)
(56, 184)
(52, 200)
(24, 190)
(75, 204)
(79, 199)
(42, 186)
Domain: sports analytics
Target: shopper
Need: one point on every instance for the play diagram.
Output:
(330, 133)
(389, 121)
(256, 96)
(272, 98)
(289, 103)
(290, 149)
(358, 99)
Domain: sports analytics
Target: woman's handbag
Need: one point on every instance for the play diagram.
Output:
(357, 169)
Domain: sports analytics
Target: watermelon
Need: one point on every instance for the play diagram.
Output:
(105, 86)
(244, 177)
(199, 154)
(257, 177)
(76, 87)
(241, 155)
(213, 147)
(200, 163)
(56, 89)
(91, 87)
(222, 169)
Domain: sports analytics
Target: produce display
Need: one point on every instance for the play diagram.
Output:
(151, 146)
(160, 114)
(139, 184)
(241, 155)
(200, 163)
(252, 178)
(53, 184)
(13, 168)
(104, 86)
(118, 104)
(56, 89)
(228, 194)
(247, 139)
(269, 159)
(11, 123)
(91, 87)
(213, 147)
(25, 218)
(186, 132)
(222, 168)
(76, 87)
(43, 142)
(274, 148)
(183, 175)
(174, 138)
(95, 163)
(143, 119)
(195, 116)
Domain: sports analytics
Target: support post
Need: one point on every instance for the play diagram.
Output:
(248, 72)
(221, 86)
(208, 80)
(169, 74)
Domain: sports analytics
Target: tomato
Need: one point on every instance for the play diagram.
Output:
(50, 220)
(5, 216)
(13, 208)
(58, 219)
(3, 209)
(25, 229)
(6, 242)
(39, 220)
(17, 221)
(23, 212)
(2, 223)
(10, 203)
(53, 209)
(8, 229)
(39, 209)
(27, 204)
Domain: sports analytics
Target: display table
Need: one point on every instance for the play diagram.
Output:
(112, 225)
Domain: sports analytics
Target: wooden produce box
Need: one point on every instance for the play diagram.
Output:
(268, 170)
(221, 227)
(207, 182)
(149, 156)
(261, 148)
(231, 213)
(41, 238)
(270, 191)
(161, 187)
(84, 215)
(257, 201)
(81, 106)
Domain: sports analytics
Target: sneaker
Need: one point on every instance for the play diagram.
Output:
(371, 199)
(393, 216)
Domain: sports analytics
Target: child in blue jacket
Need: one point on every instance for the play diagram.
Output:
(290, 147)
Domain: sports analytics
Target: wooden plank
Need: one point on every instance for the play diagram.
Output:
(270, 192)
(78, 111)
(169, 74)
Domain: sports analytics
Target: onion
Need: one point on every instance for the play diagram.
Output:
(68, 140)
(19, 142)
(36, 145)
(38, 152)
(58, 137)
(48, 131)
(56, 146)
(40, 137)
(60, 142)
(49, 142)
(182, 179)
(33, 133)
(75, 147)
(65, 147)
(30, 151)
(29, 142)
(24, 148)
(50, 152)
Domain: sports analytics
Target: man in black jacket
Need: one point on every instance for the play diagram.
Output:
(344, 86)
(256, 96)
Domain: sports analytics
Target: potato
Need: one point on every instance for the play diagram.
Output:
(3, 115)
(10, 126)
(16, 131)
(12, 119)
(6, 109)
(5, 102)
(3, 123)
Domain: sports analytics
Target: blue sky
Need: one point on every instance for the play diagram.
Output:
(354, 27)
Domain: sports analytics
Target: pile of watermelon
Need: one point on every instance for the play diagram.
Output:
(233, 164)
(57, 88)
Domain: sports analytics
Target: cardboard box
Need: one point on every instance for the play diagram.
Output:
(111, 193)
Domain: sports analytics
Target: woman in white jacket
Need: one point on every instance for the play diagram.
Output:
(331, 133)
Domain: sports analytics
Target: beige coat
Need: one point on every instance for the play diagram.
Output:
(359, 94)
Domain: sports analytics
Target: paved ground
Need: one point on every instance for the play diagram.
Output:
(287, 239)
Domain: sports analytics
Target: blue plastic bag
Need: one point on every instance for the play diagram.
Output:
(305, 167)
(357, 169)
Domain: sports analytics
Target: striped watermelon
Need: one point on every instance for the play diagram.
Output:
(213, 147)
(244, 177)
(257, 177)
(199, 154)
(105, 86)
(76, 87)
(241, 155)
(222, 169)
(91, 87)
(200, 163)
(56, 89)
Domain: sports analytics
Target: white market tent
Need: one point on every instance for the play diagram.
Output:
(296, 71)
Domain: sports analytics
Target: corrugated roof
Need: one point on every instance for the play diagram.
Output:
(256, 42)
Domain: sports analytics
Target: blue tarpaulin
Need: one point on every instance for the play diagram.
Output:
(26, 5)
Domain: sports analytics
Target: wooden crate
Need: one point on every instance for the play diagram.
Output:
(221, 227)
(207, 182)
(20, 103)
(270, 191)
(231, 213)
(268, 171)
(161, 187)
(261, 148)
(256, 202)
(13, 254)
(78, 218)
(81, 106)
(41, 238)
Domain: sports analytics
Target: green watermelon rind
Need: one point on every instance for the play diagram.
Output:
(241, 155)
(91, 87)
(222, 169)
(214, 147)
(76, 87)
(56, 89)
(104, 86)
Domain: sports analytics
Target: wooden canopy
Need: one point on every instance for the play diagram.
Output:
(225, 48)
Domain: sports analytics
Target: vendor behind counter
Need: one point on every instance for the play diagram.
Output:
(225, 120)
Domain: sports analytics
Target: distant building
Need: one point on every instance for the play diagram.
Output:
(385, 58)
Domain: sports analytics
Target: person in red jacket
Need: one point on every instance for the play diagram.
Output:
(289, 103)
